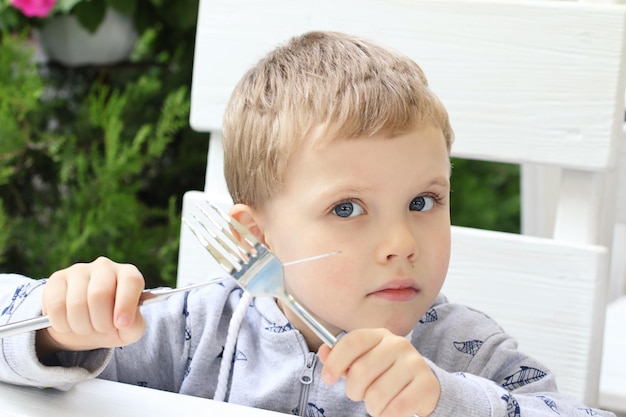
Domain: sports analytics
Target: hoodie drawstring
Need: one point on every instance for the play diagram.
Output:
(229, 347)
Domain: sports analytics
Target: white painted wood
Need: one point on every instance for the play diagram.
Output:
(497, 110)
(215, 183)
(595, 203)
(584, 210)
(621, 190)
(613, 383)
(100, 398)
(539, 198)
(544, 293)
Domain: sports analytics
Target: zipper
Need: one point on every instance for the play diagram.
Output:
(306, 379)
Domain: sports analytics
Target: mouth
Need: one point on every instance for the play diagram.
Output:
(402, 291)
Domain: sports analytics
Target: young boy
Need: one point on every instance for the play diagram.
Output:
(331, 143)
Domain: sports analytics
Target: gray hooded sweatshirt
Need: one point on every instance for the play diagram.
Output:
(266, 363)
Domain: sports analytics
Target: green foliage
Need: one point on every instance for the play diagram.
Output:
(76, 164)
(485, 195)
(21, 88)
(11, 19)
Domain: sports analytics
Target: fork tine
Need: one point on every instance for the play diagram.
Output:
(233, 248)
(244, 254)
(239, 228)
(228, 265)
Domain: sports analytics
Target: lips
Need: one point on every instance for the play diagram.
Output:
(400, 290)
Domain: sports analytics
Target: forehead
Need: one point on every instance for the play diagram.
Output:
(419, 152)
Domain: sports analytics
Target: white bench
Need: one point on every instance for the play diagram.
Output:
(527, 83)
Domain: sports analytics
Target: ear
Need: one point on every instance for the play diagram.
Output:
(249, 218)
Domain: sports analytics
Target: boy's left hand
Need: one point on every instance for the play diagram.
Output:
(383, 370)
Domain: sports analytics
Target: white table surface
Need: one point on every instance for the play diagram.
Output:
(99, 398)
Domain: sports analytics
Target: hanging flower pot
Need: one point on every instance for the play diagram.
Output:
(82, 32)
(63, 39)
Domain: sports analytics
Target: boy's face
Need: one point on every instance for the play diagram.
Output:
(384, 203)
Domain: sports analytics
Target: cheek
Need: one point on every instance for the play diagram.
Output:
(440, 253)
(320, 280)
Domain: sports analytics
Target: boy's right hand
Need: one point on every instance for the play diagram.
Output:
(90, 306)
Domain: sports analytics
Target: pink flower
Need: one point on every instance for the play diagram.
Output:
(34, 8)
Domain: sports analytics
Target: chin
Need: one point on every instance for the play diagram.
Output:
(402, 328)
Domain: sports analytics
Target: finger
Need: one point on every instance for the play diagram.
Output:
(101, 298)
(133, 332)
(53, 301)
(406, 402)
(407, 387)
(130, 284)
(390, 391)
(420, 396)
(346, 351)
(370, 367)
(323, 352)
(77, 306)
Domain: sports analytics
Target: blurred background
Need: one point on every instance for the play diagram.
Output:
(96, 151)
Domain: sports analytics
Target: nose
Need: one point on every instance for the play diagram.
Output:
(397, 242)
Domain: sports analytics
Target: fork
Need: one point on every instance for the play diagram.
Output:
(147, 297)
(254, 267)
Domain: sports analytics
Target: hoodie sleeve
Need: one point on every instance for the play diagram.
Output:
(482, 373)
(20, 299)
(160, 359)
(527, 391)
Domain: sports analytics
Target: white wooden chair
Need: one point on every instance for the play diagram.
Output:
(527, 83)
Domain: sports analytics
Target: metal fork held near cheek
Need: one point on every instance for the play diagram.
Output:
(147, 297)
(251, 264)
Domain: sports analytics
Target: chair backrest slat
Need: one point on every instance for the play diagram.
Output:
(542, 292)
(564, 114)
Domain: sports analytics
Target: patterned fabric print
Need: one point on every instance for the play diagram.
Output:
(186, 315)
(187, 367)
(20, 294)
(239, 356)
(312, 411)
(524, 376)
(470, 347)
(429, 317)
(550, 403)
(277, 328)
(589, 411)
(512, 406)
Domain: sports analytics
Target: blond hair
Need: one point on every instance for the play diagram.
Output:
(319, 85)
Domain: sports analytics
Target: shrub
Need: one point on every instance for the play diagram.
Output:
(75, 170)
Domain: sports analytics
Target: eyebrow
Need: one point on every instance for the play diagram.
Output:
(439, 181)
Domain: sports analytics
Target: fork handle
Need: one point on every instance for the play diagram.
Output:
(43, 322)
(321, 331)
(27, 325)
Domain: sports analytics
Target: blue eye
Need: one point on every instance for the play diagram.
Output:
(422, 203)
(348, 209)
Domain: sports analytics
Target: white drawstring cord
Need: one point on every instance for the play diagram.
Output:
(229, 346)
